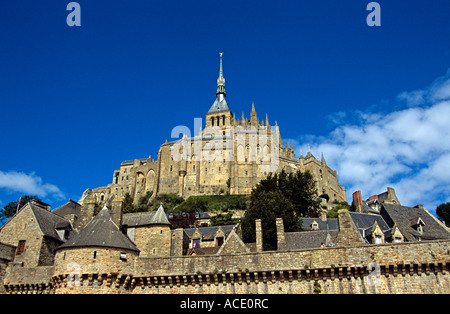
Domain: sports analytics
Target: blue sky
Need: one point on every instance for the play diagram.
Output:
(77, 101)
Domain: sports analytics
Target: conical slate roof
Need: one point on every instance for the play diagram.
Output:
(160, 218)
(101, 232)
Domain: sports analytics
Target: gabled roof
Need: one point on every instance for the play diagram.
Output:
(233, 244)
(209, 232)
(101, 232)
(403, 217)
(47, 221)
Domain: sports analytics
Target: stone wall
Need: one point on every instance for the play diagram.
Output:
(153, 241)
(24, 228)
(421, 267)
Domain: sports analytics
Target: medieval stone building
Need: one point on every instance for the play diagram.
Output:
(71, 250)
(227, 155)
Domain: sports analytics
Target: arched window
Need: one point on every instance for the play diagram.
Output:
(212, 121)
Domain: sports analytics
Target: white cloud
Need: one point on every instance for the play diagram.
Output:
(28, 184)
(408, 149)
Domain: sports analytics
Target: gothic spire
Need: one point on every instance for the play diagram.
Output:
(221, 79)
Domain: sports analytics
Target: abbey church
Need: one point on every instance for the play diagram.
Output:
(227, 155)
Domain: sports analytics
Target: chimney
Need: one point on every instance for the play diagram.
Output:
(357, 198)
(87, 213)
(116, 212)
(259, 235)
(323, 216)
(181, 242)
(280, 232)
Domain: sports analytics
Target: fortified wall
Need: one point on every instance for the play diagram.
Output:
(420, 267)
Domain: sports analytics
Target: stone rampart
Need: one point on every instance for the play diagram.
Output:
(421, 267)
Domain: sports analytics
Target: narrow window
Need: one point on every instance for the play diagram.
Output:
(21, 247)
(95, 254)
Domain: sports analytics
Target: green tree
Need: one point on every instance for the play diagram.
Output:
(443, 212)
(9, 209)
(267, 206)
(128, 206)
(288, 196)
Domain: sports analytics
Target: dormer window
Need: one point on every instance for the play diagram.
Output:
(420, 228)
(315, 225)
(419, 225)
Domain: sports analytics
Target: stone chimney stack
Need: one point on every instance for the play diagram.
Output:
(87, 213)
(116, 212)
(181, 242)
(259, 235)
(357, 200)
(280, 231)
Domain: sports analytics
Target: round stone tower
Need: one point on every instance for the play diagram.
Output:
(96, 259)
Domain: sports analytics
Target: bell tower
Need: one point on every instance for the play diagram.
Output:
(219, 115)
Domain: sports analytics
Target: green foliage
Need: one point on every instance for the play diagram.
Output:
(128, 206)
(204, 203)
(143, 205)
(224, 219)
(169, 202)
(287, 196)
(9, 209)
(443, 212)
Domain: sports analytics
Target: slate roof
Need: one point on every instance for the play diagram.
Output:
(219, 106)
(48, 221)
(160, 218)
(307, 239)
(329, 224)
(69, 208)
(145, 218)
(137, 219)
(406, 218)
(101, 232)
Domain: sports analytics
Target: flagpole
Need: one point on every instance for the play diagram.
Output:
(18, 205)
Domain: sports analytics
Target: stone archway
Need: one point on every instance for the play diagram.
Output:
(150, 183)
